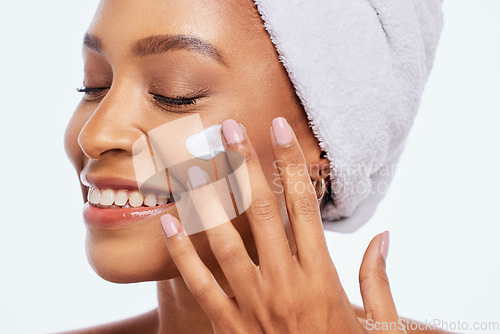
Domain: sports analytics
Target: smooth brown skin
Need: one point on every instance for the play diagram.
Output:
(253, 88)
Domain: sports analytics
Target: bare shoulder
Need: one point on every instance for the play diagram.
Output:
(141, 324)
(412, 326)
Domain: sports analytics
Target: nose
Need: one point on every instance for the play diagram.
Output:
(112, 128)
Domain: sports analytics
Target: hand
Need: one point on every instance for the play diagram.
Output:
(285, 293)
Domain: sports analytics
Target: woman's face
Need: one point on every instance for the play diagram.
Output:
(211, 58)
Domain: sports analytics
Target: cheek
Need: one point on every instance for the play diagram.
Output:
(259, 132)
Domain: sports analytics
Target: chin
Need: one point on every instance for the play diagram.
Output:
(129, 260)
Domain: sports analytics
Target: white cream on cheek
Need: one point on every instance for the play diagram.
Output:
(206, 144)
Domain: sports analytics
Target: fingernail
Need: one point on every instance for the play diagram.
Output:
(197, 177)
(169, 226)
(384, 248)
(281, 131)
(232, 132)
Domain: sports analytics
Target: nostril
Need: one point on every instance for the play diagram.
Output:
(112, 152)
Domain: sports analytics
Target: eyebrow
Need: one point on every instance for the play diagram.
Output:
(159, 44)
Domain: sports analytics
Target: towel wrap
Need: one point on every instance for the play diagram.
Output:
(359, 68)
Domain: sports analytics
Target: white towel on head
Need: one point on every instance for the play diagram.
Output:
(359, 68)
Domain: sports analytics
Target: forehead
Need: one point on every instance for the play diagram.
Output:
(223, 23)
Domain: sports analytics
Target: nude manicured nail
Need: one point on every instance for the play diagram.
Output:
(384, 248)
(281, 131)
(169, 226)
(197, 177)
(232, 132)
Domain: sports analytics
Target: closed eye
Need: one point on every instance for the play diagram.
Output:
(95, 93)
(174, 102)
(91, 91)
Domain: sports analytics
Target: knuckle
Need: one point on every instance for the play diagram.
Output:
(364, 277)
(264, 207)
(180, 251)
(378, 276)
(381, 276)
(280, 279)
(248, 155)
(229, 252)
(285, 306)
(201, 290)
(305, 206)
(294, 163)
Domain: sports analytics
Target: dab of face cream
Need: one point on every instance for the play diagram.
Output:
(206, 144)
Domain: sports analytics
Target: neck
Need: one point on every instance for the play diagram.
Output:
(178, 309)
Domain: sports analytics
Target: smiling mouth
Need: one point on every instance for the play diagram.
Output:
(124, 198)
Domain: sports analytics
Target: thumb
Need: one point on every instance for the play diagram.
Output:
(374, 284)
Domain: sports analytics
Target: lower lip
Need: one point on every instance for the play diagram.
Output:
(98, 217)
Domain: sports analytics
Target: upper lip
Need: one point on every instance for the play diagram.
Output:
(108, 182)
(113, 182)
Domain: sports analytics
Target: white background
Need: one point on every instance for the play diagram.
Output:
(442, 210)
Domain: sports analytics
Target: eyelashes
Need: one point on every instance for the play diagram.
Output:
(90, 91)
(177, 101)
(96, 93)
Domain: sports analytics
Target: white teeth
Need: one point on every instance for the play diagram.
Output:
(121, 198)
(150, 200)
(107, 197)
(162, 200)
(95, 197)
(135, 199)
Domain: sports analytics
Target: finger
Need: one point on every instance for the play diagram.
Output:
(198, 278)
(225, 241)
(301, 201)
(375, 290)
(263, 213)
